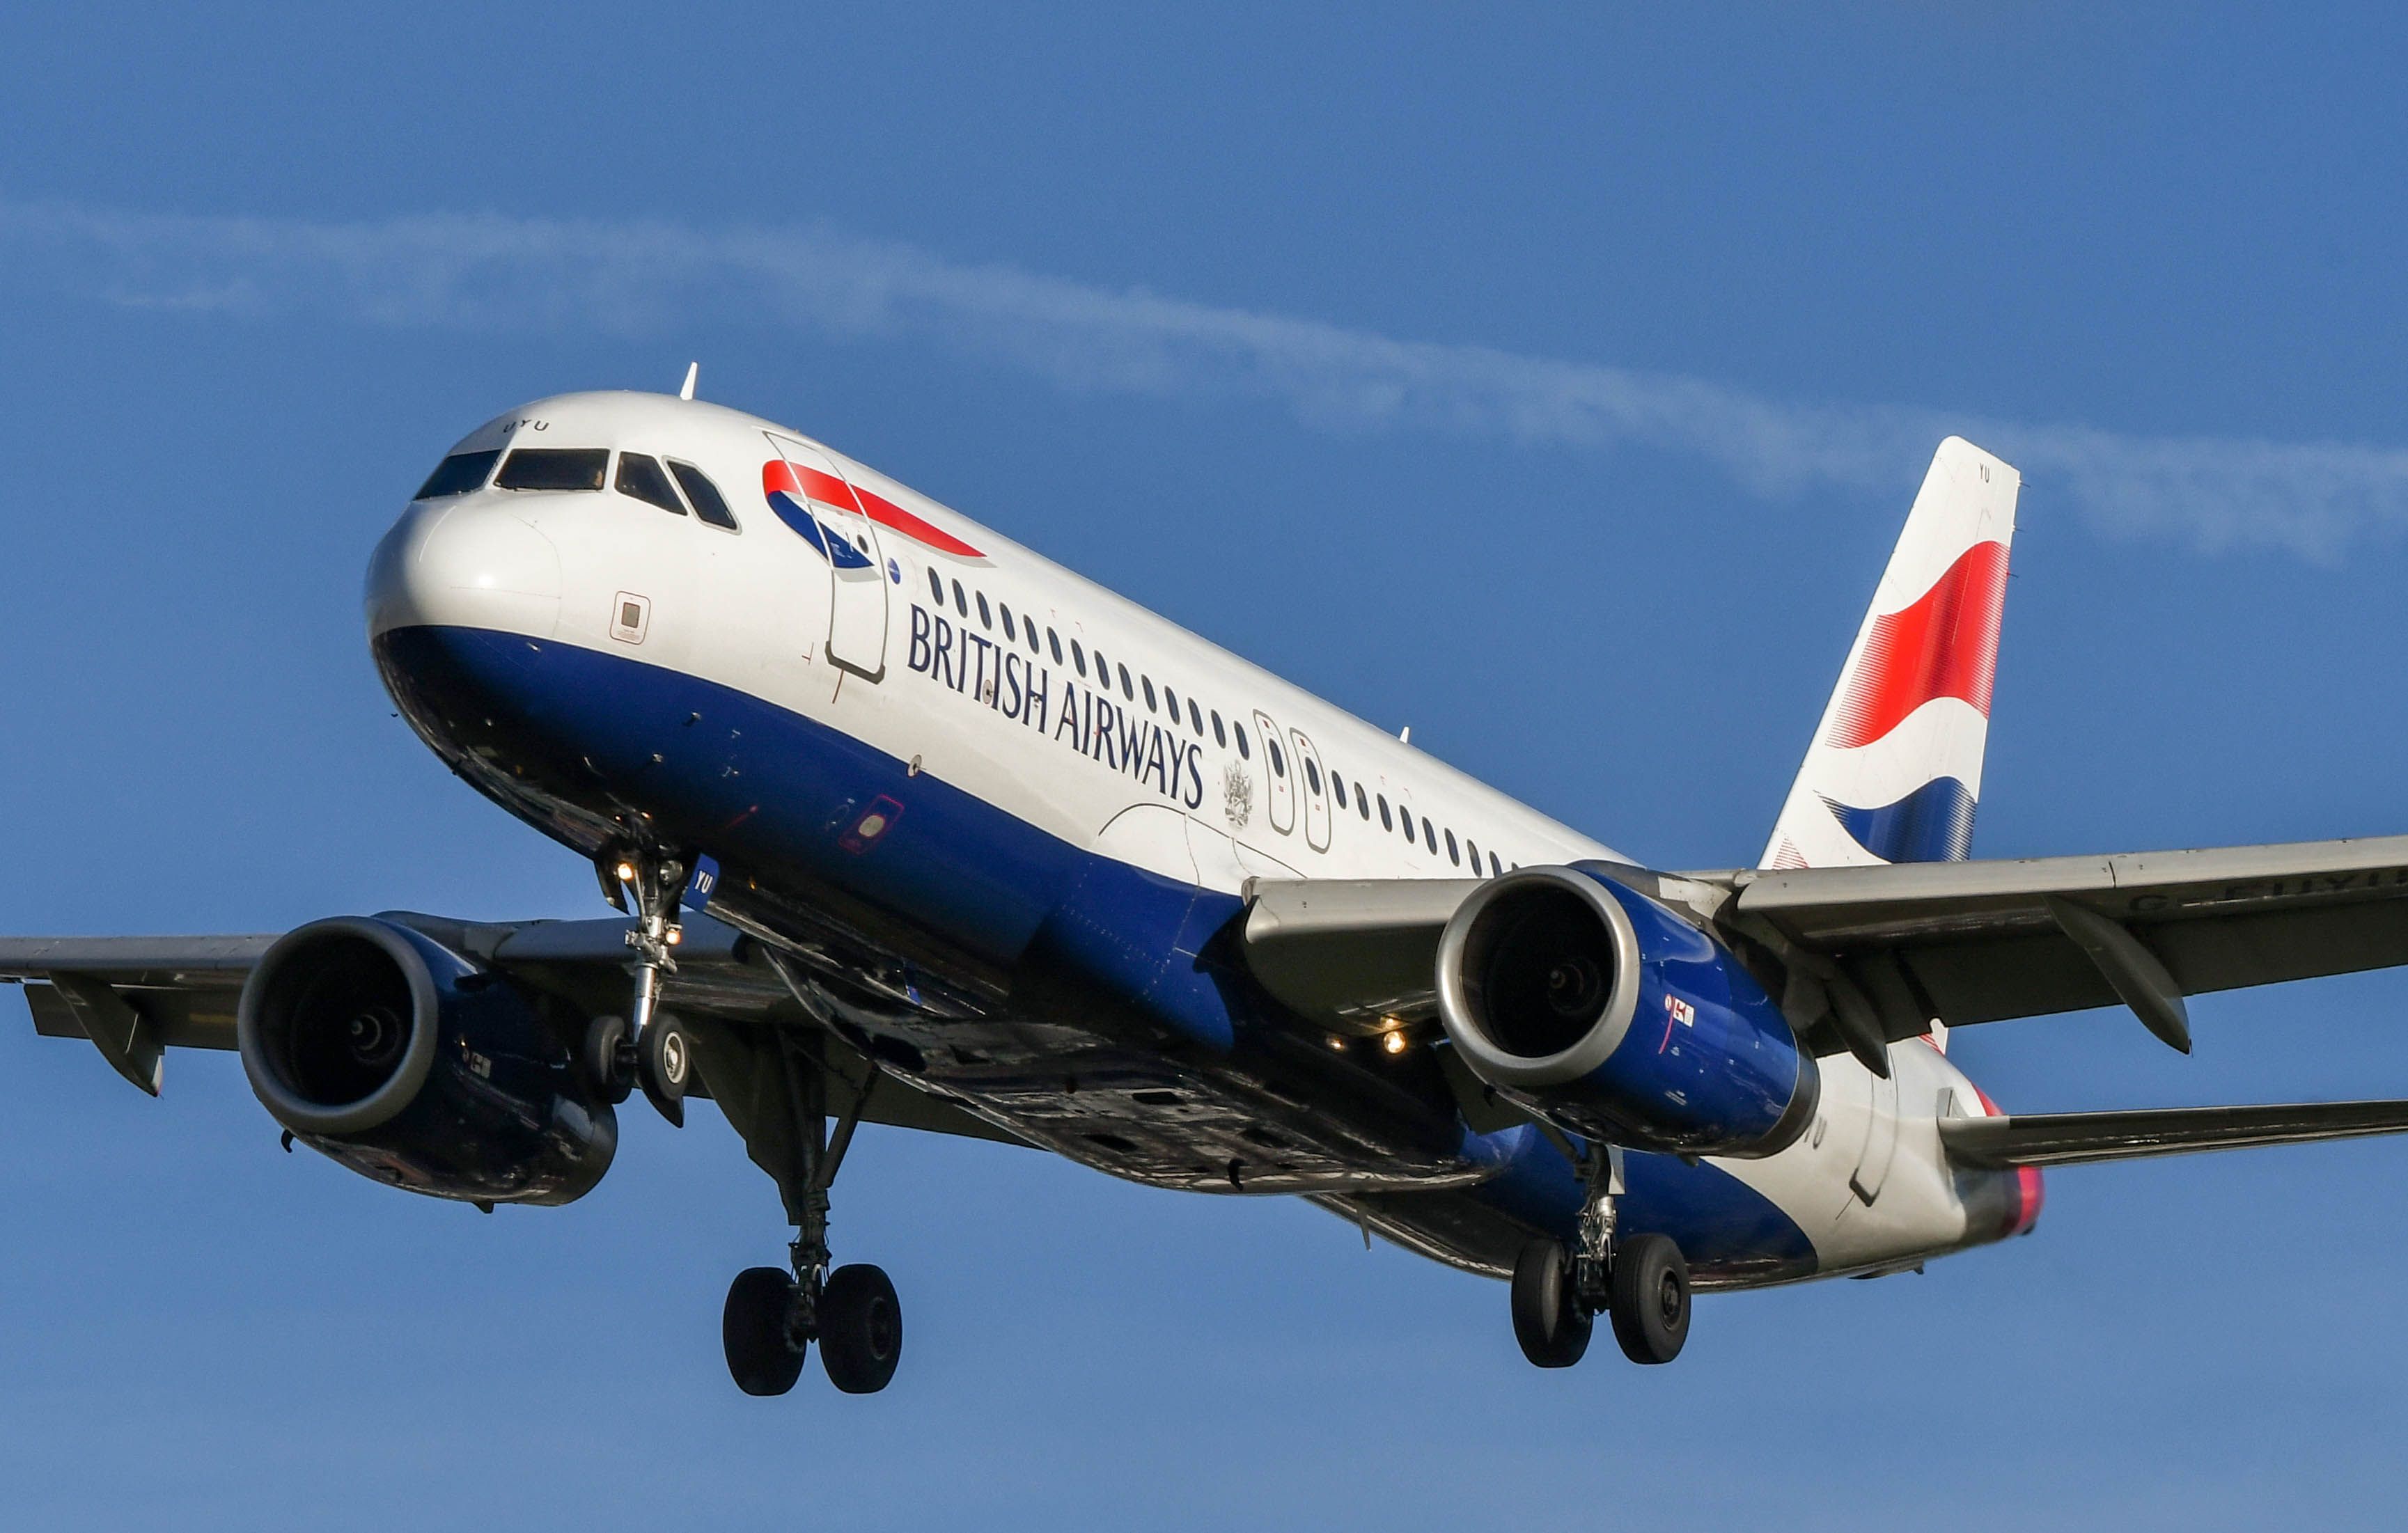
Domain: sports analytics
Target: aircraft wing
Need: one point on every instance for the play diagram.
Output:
(1873, 955)
(134, 998)
(2076, 1139)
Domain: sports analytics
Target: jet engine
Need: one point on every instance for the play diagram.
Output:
(415, 1066)
(1603, 1013)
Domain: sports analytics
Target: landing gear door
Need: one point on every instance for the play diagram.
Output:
(821, 507)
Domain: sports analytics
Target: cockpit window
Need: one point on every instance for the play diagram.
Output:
(554, 468)
(709, 504)
(457, 475)
(642, 478)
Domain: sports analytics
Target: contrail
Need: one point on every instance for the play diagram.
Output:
(2314, 499)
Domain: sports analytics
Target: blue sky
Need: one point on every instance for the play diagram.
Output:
(1552, 384)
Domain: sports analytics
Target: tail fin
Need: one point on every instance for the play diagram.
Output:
(1896, 765)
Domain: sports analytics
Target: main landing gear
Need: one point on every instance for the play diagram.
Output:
(772, 1317)
(646, 1048)
(1640, 1282)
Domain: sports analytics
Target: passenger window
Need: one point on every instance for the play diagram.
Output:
(1451, 854)
(1244, 749)
(1009, 632)
(1080, 655)
(1385, 823)
(1472, 847)
(986, 619)
(642, 479)
(1278, 762)
(1149, 693)
(1429, 838)
(1495, 869)
(1362, 801)
(936, 587)
(1219, 738)
(1337, 785)
(1311, 775)
(961, 602)
(1028, 629)
(1054, 640)
(1195, 716)
(1103, 672)
(709, 504)
(1170, 702)
(554, 468)
(1127, 690)
(458, 474)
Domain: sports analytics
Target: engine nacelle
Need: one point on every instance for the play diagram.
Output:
(414, 1065)
(1606, 1014)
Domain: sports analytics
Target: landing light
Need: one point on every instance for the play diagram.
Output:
(626, 872)
(1393, 1042)
(675, 935)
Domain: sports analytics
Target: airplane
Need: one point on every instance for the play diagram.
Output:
(907, 825)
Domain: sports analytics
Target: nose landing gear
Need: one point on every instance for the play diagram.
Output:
(648, 1049)
(1642, 1283)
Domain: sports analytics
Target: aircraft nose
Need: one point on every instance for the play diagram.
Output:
(464, 563)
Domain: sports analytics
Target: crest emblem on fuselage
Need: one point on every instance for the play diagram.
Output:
(1236, 795)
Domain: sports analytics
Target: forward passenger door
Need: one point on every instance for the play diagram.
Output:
(856, 638)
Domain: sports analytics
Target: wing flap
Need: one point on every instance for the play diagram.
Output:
(2076, 1139)
(1348, 952)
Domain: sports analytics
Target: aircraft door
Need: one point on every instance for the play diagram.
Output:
(832, 521)
(1880, 1139)
(1316, 791)
(1279, 773)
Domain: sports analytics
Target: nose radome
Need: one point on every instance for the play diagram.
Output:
(464, 565)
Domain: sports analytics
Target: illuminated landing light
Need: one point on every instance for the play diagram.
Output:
(1393, 1042)
(675, 935)
(1336, 1044)
(626, 872)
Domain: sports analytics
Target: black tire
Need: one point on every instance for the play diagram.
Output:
(1548, 1319)
(861, 1329)
(664, 1066)
(763, 1356)
(1651, 1299)
(604, 1058)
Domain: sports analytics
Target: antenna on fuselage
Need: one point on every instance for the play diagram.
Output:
(692, 371)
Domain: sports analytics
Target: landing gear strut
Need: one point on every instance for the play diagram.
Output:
(648, 1049)
(1641, 1282)
(772, 1317)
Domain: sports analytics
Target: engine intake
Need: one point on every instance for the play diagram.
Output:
(1610, 1016)
(413, 1064)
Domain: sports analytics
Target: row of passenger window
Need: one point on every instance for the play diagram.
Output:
(1077, 656)
(656, 481)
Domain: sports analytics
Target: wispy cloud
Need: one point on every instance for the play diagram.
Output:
(2313, 499)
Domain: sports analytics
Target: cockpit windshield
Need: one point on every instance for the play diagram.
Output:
(554, 468)
(457, 475)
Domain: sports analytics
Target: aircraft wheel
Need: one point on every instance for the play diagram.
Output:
(1651, 1299)
(606, 1059)
(664, 1065)
(764, 1355)
(861, 1329)
(1548, 1319)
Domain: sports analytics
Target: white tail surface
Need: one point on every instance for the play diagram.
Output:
(1894, 770)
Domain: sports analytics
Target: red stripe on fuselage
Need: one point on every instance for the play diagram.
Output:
(1945, 645)
(2029, 1192)
(778, 474)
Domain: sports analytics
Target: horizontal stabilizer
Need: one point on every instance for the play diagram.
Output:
(2076, 1139)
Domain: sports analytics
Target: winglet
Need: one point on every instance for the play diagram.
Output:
(1896, 767)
